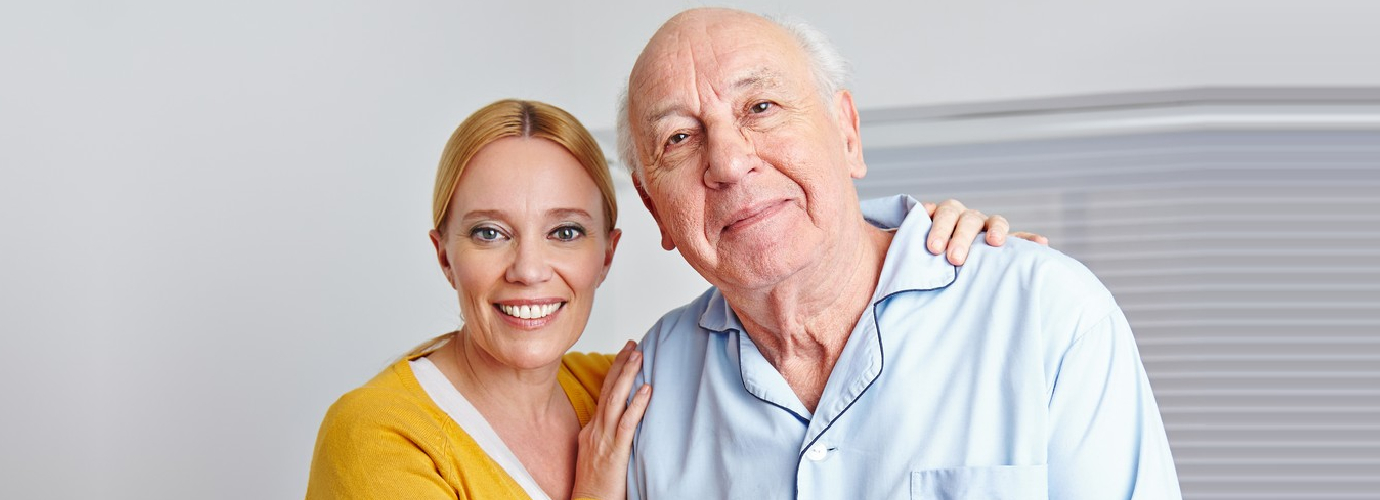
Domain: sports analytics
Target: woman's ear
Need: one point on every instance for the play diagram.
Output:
(438, 240)
(614, 235)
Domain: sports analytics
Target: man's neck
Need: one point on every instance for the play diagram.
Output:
(801, 325)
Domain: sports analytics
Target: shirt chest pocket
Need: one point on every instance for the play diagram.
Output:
(1006, 482)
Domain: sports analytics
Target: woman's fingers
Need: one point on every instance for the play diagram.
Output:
(997, 229)
(628, 424)
(954, 227)
(966, 230)
(1031, 237)
(943, 219)
(606, 441)
(614, 404)
(618, 362)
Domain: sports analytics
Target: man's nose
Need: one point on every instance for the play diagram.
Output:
(731, 156)
(531, 265)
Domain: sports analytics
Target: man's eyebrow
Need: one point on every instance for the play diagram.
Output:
(758, 78)
(656, 115)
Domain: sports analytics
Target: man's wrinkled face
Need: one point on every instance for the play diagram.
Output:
(748, 167)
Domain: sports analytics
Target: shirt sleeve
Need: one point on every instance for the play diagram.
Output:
(367, 449)
(1106, 436)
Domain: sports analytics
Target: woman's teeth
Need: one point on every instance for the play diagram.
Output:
(530, 312)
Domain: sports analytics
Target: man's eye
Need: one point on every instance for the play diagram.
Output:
(761, 107)
(486, 234)
(677, 138)
(567, 233)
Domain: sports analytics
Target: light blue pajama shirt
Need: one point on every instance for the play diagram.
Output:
(1013, 376)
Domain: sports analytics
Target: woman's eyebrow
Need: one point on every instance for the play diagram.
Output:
(571, 213)
(482, 214)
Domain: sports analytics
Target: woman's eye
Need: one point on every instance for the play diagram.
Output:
(567, 233)
(486, 234)
(761, 107)
(677, 138)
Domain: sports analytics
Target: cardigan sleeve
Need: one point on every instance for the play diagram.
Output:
(589, 369)
(374, 444)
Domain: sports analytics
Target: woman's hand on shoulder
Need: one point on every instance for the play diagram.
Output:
(954, 227)
(601, 468)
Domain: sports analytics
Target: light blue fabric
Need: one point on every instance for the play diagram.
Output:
(1015, 376)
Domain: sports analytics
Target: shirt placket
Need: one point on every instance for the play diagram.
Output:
(821, 469)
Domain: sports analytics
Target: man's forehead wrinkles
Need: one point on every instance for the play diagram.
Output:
(706, 69)
(671, 105)
(683, 56)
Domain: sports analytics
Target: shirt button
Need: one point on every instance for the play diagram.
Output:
(816, 453)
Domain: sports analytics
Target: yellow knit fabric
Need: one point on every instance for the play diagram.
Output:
(388, 440)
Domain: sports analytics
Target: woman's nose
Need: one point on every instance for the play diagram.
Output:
(530, 264)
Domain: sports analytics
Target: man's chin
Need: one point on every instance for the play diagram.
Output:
(768, 264)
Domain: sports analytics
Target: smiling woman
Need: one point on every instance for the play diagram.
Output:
(524, 230)
(526, 249)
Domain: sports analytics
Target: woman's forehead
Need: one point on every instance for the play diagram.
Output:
(532, 176)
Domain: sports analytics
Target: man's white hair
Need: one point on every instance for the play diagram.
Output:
(831, 70)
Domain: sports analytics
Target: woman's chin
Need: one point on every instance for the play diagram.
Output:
(523, 345)
(532, 355)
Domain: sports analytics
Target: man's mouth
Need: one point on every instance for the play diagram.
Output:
(530, 311)
(751, 215)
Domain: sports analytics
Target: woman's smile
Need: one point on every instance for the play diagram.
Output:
(529, 315)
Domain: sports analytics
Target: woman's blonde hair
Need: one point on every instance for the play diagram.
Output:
(515, 118)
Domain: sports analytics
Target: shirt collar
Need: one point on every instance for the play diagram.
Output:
(909, 265)
(718, 316)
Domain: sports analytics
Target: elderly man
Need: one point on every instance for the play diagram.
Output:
(834, 357)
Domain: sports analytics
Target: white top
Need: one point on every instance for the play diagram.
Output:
(462, 412)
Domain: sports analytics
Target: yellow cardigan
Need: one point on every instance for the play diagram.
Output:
(388, 440)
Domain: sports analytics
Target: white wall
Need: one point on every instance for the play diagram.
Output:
(214, 214)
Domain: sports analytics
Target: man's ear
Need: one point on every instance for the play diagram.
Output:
(848, 123)
(647, 201)
(439, 241)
